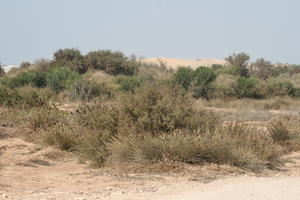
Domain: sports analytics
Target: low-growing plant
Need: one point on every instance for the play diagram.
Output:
(20, 98)
(286, 133)
(46, 117)
(86, 90)
(161, 108)
(34, 78)
(235, 144)
(62, 137)
(130, 83)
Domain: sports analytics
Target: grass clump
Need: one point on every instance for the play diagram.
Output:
(286, 133)
(46, 117)
(235, 144)
(61, 137)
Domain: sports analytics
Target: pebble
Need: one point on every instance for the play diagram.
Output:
(5, 196)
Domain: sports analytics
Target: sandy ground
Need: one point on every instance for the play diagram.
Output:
(174, 63)
(32, 172)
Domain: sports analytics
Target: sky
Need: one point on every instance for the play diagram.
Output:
(187, 29)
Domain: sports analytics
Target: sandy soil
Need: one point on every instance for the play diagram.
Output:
(30, 171)
(174, 63)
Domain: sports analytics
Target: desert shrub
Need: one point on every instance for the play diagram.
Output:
(240, 61)
(34, 78)
(9, 97)
(2, 72)
(240, 145)
(247, 88)
(262, 69)
(99, 116)
(113, 63)
(58, 79)
(177, 146)
(235, 144)
(25, 65)
(21, 98)
(43, 65)
(94, 146)
(203, 78)
(224, 85)
(277, 103)
(70, 58)
(62, 137)
(46, 117)
(130, 83)
(184, 77)
(286, 133)
(160, 108)
(280, 88)
(86, 90)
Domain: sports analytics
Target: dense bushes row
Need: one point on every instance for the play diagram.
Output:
(204, 82)
(159, 123)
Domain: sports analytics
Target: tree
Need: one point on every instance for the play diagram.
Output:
(113, 63)
(71, 58)
(183, 77)
(262, 69)
(240, 60)
(2, 72)
(203, 78)
(246, 88)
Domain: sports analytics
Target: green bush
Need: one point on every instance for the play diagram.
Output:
(113, 63)
(224, 85)
(184, 77)
(203, 78)
(240, 61)
(159, 108)
(2, 72)
(60, 78)
(86, 90)
(70, 58)
(247, 88)
(34, 78)
(129, 83)
(21, 98)
(280, 88)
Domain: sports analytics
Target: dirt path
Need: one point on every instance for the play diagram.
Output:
(31, 172)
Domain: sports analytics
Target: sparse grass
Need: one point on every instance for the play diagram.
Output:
(276, 103)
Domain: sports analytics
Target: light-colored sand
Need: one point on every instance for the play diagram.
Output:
(174, 63)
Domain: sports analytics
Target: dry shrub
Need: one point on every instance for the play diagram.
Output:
(46, 117)
(286, 132)
(277, 103)
(158, 108)
(235, 144)
(62, 137)
(176, 146)
(241, 145)
(152, 110)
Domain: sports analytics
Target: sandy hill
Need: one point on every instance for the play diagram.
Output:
(174, 63)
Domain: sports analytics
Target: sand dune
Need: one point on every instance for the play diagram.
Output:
(174, 63)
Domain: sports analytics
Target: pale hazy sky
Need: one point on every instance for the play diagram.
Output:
(32, 29)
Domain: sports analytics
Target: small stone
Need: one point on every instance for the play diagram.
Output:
(5, 196)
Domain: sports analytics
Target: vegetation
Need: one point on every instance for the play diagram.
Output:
(135, 112)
